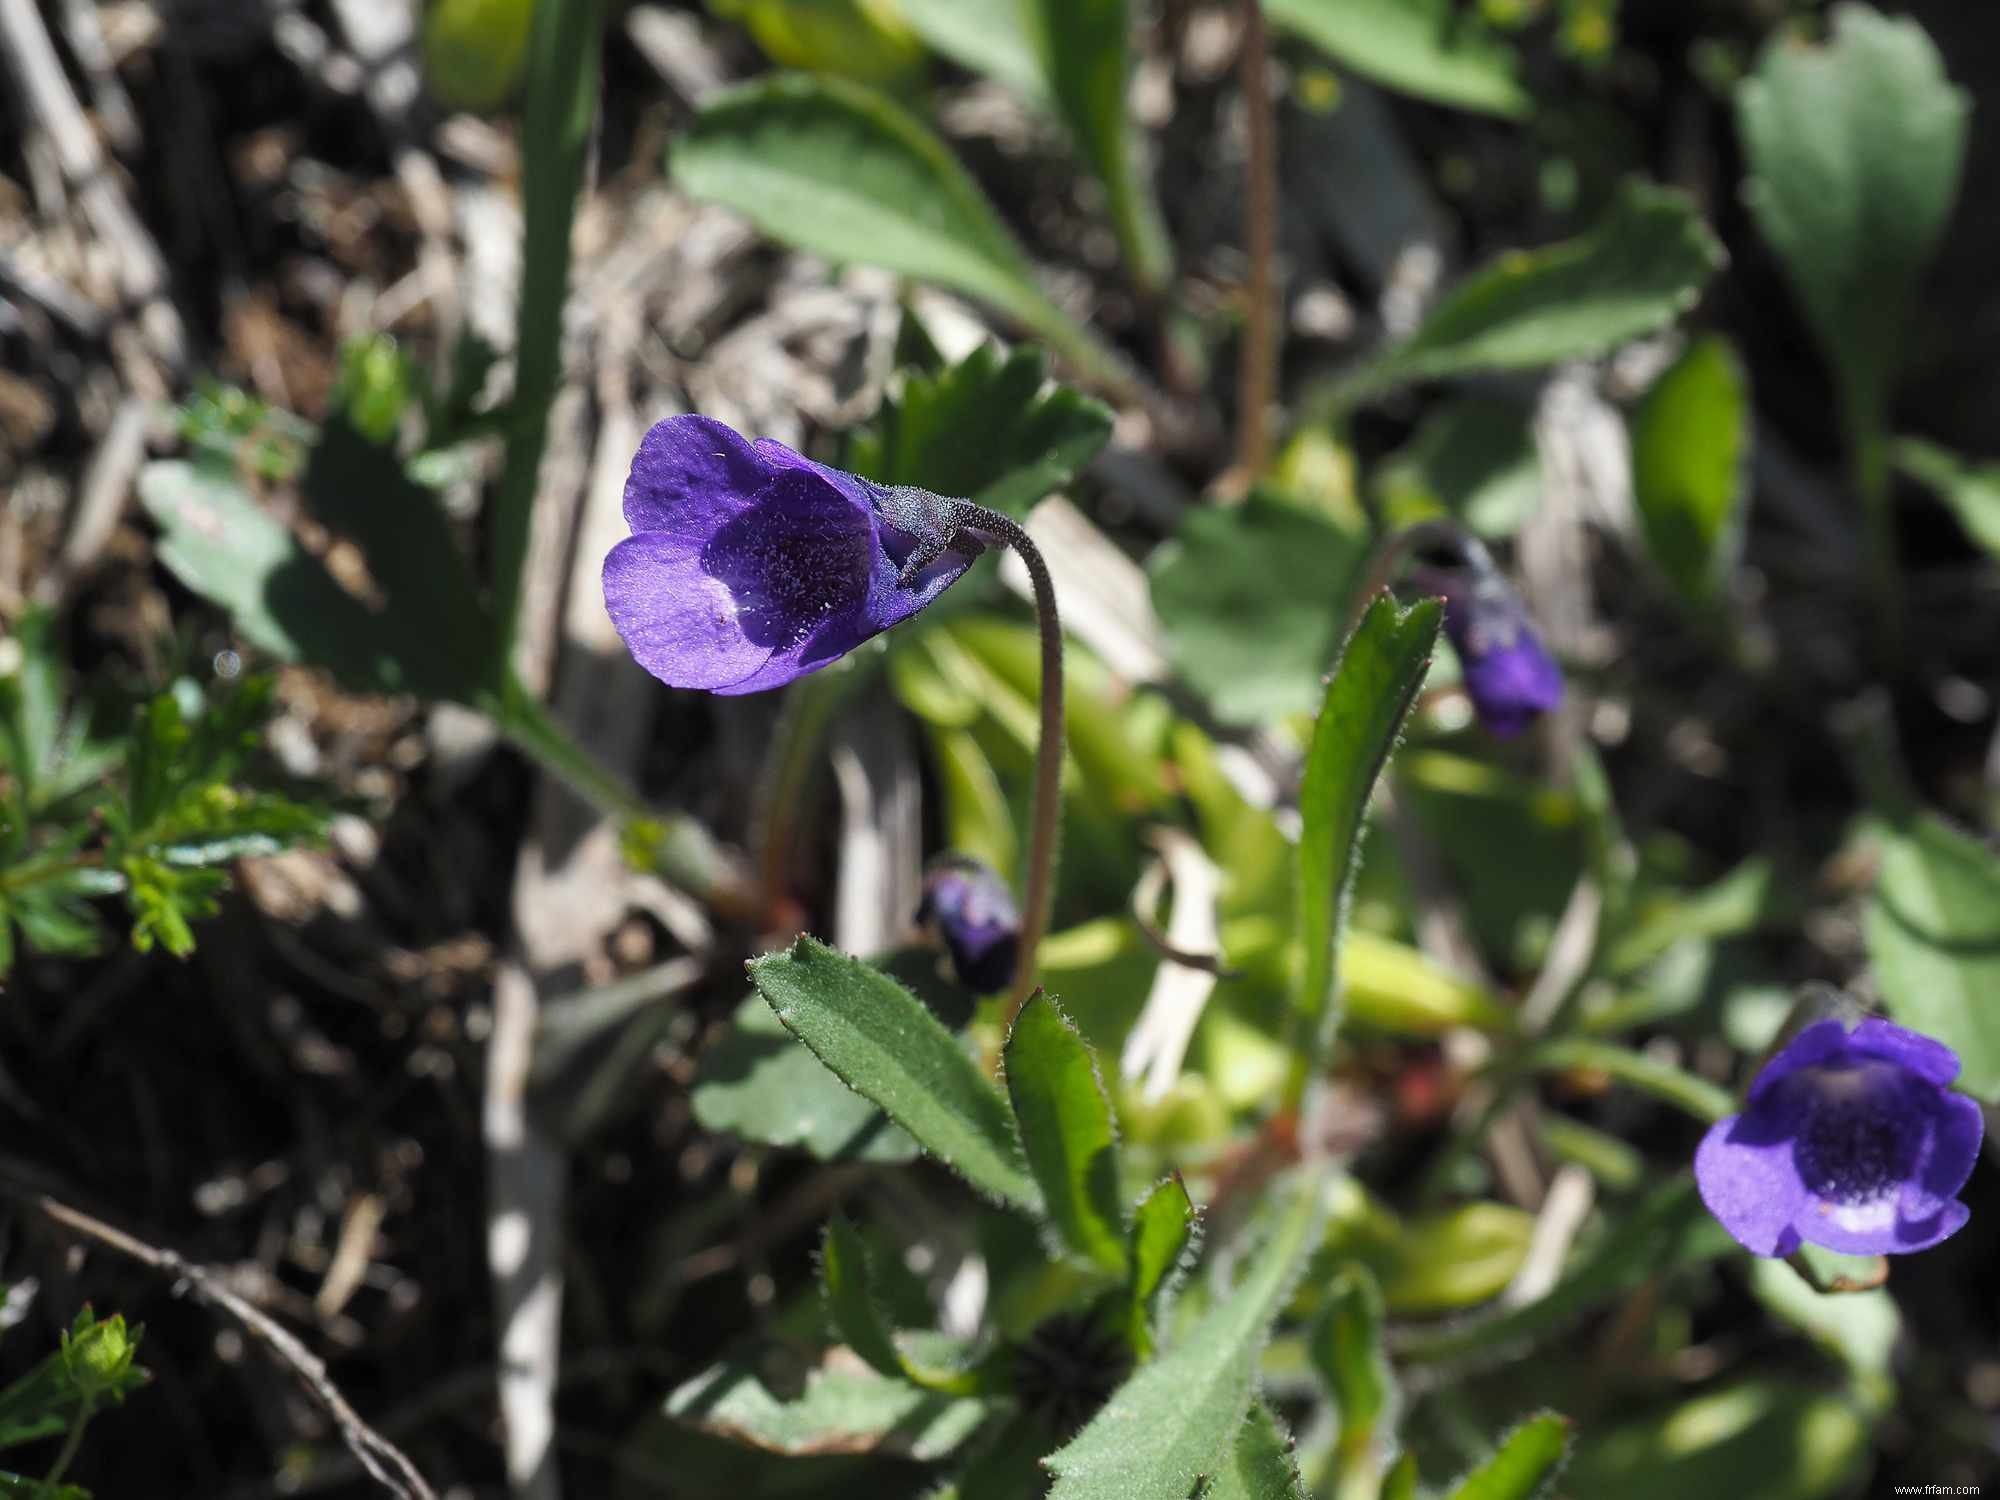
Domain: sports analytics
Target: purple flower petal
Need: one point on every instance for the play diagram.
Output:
(1813, 1045)
(1850, 1140)
(690, 460)
(974, 915)
(1920, 1054)
(752, 566)
(1751, 1186)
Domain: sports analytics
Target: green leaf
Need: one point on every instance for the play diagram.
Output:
(1860, 1329)
(1670, 1229)
(1526, 1464)
(884, 1044)
(837, 169)
(1473, 459)
(1260, 1466)
(984, 429)
(1086, 55)
(1360, 718)
(1777, 1440)
(1638, 269)
(1690, 467)
(986, 36)
(1933, 933)
(1394, 988)
(1433, 1262)
(1173, 1421)
(166, 902)
(1854, 151)
(1067, 1131)
(1401, 1481)
(363, 492)
(759, 1083)
(31, 697)
(1971, 490)
(840, 1408)
(846, 1281)
(233, 552)
(1346, 1350)
(1252, 597)
(1162, 1228)
(1433, 49)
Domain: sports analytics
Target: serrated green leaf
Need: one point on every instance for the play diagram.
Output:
(1933, 933)
(884, 1044)
(839, 1408)
(1638, 269)
(1854, 151)
(1067, 1131)
(1260, 1465)
(984, 429)
(1251, 598)
(1525, 1465)
(1777, 1440)
(166, 902)
(1690, 467)
(839, 170)
(1360, 719)
(1668, 1230)
(1971, 490)
(760, 1083)
(1345, 1348)
(1162, 1227)
(1085, 49)
(1430, 48)
(1173, 1422)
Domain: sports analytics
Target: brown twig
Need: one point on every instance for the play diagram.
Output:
(387, 1464)
(1257, 376)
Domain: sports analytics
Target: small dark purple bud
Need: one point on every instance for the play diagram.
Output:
(1509, 674)
(972, 912)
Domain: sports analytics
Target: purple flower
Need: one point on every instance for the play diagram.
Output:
(1849, 1140)
(750, 566)
(1509, 674)
(973, 912)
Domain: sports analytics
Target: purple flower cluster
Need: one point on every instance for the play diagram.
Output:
(1850, 1140)
(749, 565)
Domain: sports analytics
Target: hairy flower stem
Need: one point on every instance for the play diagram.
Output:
(1038, 888)
(1260, 332)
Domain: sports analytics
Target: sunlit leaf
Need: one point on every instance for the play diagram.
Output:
(1433, 49)
(1972, 490)
(1525, 1465)
(884, 1044)
(1690, 467)
(1067, 1131)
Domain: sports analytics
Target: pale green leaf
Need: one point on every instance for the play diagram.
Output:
(1971, 490)
(884, 1044)
(1472, 459)
(1933, 933)
(840, 1408)
(1173, 1422)
(993, 37)
(1690, 467)
(1345, 1348)
(1434, 49)
(1252, 597)
(839, 170)
(1777, 1440)
(1854, 151)
(1632, 274)
(1360, 718)
(1526, 1464)
(1260, 1465)
(1067, 1131)
(1085, 50)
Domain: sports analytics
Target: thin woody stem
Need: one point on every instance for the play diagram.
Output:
(1038, 890)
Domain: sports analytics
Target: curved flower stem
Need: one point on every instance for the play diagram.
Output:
(1038, 888)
